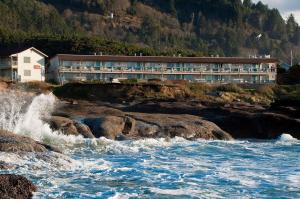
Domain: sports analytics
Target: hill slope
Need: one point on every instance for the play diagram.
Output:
(189, 27)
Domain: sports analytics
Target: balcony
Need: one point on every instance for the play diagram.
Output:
(187, 71)
(14, 63)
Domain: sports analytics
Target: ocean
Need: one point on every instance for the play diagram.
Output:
(147, 168)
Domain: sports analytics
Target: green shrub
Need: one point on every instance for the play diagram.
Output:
(233, 88)
(129, 81)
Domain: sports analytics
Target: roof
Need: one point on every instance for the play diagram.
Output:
(9, 52)
(166, 59)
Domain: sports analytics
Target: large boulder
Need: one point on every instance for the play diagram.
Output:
(167, 125)
(69, 127)
(141, 125)
(243, 124)
(10, 142)
(106, 126)
(15, 186)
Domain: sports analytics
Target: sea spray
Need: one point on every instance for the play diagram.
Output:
(286, 138)
(23, 114)
(12, 104)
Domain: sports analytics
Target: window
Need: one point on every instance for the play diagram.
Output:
(26, 59)
(27, 72)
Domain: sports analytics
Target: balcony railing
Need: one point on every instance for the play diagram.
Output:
(14, 63)
(162, 71)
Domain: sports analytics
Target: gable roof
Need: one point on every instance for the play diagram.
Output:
(12, 51)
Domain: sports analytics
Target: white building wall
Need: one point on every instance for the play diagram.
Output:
(36, 66)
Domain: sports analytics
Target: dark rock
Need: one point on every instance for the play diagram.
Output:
(83, 130)
(107, 126)
(69, 127)
(10, 142)
(62, 124)
(15, 186)
(243, 124)
(241, 120)
(186, 126)
(5, 166)
(121, 137)
(129, 125)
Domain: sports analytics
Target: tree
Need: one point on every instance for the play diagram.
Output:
(292, 29)
(150, 30)
(247, 3)
(275, 25)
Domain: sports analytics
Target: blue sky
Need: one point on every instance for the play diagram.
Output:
(286, 7)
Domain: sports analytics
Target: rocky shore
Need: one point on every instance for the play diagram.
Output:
(15, 186)
(137, 112)
(189, 119)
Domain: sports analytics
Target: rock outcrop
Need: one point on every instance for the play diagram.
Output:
(140, 125)
(106, 126)
(266, 125)
(5, 166)
(15, 186)
(167, 125)
(69, 127)
(159, 118)
(10, 142)
(241, 120)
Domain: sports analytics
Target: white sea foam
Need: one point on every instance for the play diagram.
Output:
(24, 115)
(185, 192)
(286, 138)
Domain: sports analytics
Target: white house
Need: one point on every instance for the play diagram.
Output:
(23, 65)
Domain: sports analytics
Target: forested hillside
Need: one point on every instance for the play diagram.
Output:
(151, 27)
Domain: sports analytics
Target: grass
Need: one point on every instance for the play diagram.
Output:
(288, 92)
(35, 86)
(232, 88)
(176, 90)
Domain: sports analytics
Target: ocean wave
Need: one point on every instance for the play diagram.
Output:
(287, 138)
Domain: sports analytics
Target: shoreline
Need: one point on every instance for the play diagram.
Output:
(164, 112)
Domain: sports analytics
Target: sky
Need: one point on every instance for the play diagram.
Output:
(286, 7)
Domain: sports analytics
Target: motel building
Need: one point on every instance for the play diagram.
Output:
(23, 65)
(67, 67)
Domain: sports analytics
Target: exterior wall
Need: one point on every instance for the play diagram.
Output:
(36, 66)
(65, 70)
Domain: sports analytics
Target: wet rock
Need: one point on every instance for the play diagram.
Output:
(15, 186)
(10, 142)
(5, 166)
(265, 125)
(106, 126)
(69, 127)
(121, 137)
(186, 126)
(83, 130)
(130, 124)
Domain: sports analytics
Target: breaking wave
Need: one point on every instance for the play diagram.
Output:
(146, 168)
(287, 138)
(23, 114)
